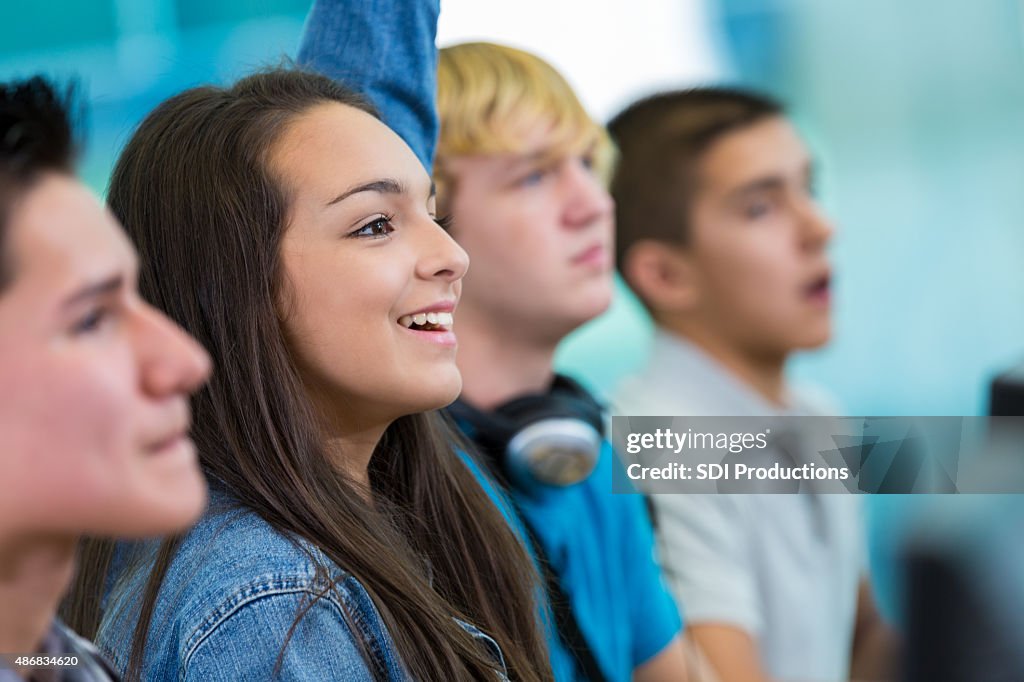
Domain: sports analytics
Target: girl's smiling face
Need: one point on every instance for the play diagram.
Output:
(370, 279)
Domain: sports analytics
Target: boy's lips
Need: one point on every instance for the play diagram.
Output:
(175, 434)
(819, 289)
(594, 256)
(178, 443)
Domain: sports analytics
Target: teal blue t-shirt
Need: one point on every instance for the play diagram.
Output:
(601, 547)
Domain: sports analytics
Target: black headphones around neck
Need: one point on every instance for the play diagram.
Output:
(548, 439)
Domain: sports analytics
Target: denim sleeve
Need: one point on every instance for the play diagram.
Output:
(386, 50)
(246, 644)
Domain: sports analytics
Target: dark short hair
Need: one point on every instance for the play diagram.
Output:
(36, 136)
(661, 140)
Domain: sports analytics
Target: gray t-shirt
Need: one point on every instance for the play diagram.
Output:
(784, 568)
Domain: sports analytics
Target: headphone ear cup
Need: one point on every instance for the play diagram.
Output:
(557, 438)
(554, 451)
(550, 439)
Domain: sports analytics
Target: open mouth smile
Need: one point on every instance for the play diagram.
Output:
(428, 322)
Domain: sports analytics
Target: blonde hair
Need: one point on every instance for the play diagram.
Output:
(491, 97)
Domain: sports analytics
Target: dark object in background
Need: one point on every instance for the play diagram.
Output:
(965, 610)
(1006, 398)
(965, 595)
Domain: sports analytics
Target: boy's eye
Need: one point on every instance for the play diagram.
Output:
(378, 227)
(92, 321)
(534, 177)
(759, 208)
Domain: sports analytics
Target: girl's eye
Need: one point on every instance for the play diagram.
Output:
(93, 321)
(378, 227)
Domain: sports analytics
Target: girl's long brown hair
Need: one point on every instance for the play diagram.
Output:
(195, 192)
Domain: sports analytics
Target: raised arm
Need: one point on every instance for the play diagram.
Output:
(385, 49)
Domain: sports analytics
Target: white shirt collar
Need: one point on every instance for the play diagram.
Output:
(683, 377)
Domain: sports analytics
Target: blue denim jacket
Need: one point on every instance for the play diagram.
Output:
(229, 600)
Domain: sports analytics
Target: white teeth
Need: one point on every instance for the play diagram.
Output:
(443, 320)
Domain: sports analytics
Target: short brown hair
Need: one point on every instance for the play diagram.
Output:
(660, 142)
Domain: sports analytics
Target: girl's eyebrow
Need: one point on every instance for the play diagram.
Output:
(382, 186)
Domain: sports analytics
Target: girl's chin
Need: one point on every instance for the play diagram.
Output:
(437, 399)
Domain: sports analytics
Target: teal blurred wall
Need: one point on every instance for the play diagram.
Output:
(131, 54)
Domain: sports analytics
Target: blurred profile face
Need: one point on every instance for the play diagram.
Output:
(758, 238)
(94, 412)
(371, 281)
(538, 228)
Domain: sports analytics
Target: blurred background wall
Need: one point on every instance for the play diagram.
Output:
(914, 108)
